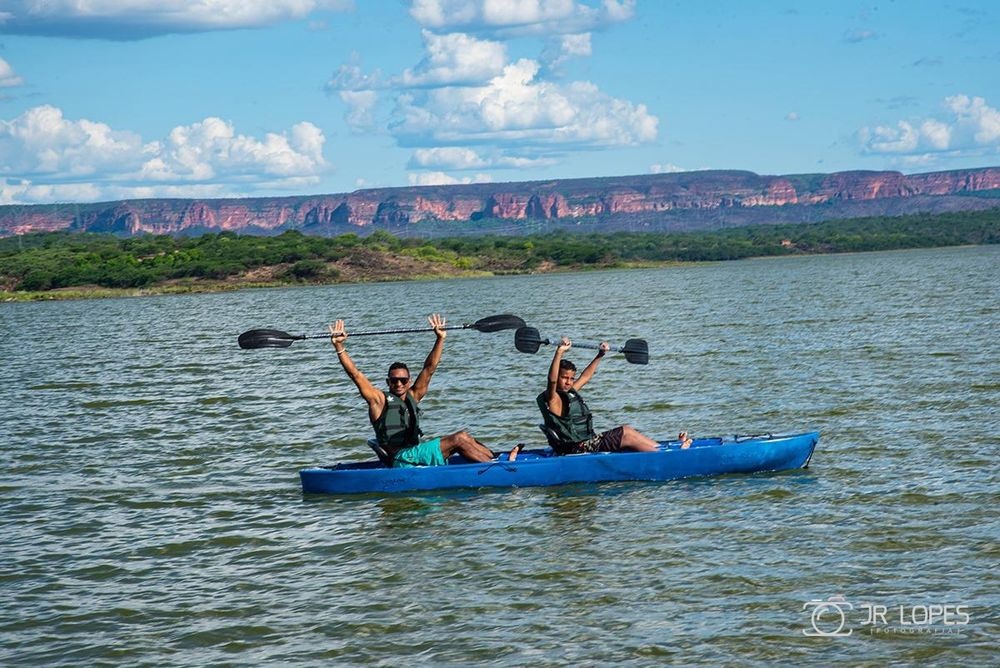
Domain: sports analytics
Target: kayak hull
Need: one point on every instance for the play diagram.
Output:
(536, 468)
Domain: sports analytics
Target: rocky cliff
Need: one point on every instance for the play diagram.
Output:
(690, 200)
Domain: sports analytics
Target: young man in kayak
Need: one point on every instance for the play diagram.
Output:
(395, 415)
(568, 416)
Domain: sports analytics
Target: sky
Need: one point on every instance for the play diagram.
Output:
(116, 99)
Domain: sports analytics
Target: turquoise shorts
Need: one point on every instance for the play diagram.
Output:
(427, 453)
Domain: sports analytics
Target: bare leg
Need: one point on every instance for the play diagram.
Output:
(462, 443)
(634, 440)
(684, 439)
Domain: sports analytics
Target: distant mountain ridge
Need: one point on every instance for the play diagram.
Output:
(675, 201)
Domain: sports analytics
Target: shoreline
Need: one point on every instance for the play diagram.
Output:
(60, 266)
(199, 286)
(202, 286)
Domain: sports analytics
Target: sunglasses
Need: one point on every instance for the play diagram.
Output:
(397, 379)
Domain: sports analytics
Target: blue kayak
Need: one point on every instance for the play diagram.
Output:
(534, 468)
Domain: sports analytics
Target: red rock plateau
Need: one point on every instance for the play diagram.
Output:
(689, 200)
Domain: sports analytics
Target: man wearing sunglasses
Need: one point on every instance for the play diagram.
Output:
(395, 414)
(566, 414)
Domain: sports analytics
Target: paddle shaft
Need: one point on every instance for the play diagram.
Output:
(527, 340)
(385, 331)
(589, 346)
(274, 338)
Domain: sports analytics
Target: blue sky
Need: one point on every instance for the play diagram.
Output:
(113, 99)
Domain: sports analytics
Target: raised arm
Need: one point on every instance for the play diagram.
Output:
(423, 381)
(374, 398)
(552, 398)
(588, 373)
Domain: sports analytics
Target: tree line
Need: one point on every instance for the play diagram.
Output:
(46, 261)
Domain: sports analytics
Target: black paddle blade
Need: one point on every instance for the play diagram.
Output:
(636, 351)
(266, 338)
(527, 340)
(497, 323)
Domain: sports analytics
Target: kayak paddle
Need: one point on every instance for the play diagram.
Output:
(273, 338)
(527, 340)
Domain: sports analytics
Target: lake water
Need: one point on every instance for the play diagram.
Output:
(151, 511)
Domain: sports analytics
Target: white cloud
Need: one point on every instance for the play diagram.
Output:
(665, 168)
(8, 77)
(565, 47)
(519, 162)
(19, 191)
(444, 13)
(576, 45)
(975, 117)
(971, 125)
(619, 10)
(442, 179)
(211, 149)
(358, 91)
(26, 192)
(883, 139)
(44, 152)
(517, 17)
(42, 141)
(935, 134)
(360, 108)
(472, 108)
(456, 58)
(132, 19)
(516, 108)
(450, 157)
(350, 76)
(521, 12)
(792, 116)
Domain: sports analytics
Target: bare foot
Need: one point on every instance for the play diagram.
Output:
(684, 439)
(514, 452)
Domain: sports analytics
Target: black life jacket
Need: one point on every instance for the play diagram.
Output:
(399, 424)
(577, 422)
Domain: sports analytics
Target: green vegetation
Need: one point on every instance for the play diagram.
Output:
(59, 260)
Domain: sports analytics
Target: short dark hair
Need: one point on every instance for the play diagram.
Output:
(399, 365)
(566, 364)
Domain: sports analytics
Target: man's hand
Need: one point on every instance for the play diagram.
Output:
(564, 345)
(337, 333)
(438, 322)
(603, 348)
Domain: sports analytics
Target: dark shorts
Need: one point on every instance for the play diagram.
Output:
(606, 441)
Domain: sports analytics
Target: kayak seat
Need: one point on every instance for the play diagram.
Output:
(551, 436)
(383, 456)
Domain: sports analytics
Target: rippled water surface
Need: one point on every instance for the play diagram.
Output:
(151, 511)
